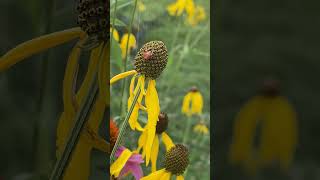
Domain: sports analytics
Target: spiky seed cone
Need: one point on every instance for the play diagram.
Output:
(162, 123)
(151, 59)
(93, 18)
(177, 159)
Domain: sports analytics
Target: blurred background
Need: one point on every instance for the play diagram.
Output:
(255, 40)
(31, 91)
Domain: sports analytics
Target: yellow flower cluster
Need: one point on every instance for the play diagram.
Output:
(195, 13)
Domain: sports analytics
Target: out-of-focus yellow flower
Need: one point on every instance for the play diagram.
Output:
(198, 16)
(177, 8)
(115, 34)
(278, 138)
(193, 98)
(130, 40)
(201, 128)
(141, 6)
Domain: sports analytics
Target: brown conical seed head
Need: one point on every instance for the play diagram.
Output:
(93, 18)
(151, 59)
(270, 88)
(194, 89)
(162, 123)
(177, 159)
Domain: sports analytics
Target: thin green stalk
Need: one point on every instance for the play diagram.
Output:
(198, 139)
(197, 39)
(40, 145)
(187, 131)
(113, 21)
(124, 126)
(123, 100)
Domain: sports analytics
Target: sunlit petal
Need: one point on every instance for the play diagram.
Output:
(155, 176)
(167, 141)
(154, 153)
(117, 166)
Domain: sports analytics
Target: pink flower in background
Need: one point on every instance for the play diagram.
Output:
(132, 165)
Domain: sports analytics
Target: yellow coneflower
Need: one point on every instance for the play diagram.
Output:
(161, 127)
(193, 98)
(278, 137)
(176, 162)
(93, 34)
(201, 128)
(149, 63)
(127, 40)
(177, 8)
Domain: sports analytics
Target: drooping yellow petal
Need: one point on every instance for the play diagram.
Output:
(69, 99)
(153, 108)
(172, 9)
(103, 73)
(190, 7)
(142, 140)
(122, 75)
(115, 34)
(117, 166)
(166, 176)
(133, 120)
(127, 40)
(92, 67)
(180, 177)
(197, 103)
(154, 153)
(167, 141)
(186, 104)
(131, 88)
(37, 45)
(155, 176)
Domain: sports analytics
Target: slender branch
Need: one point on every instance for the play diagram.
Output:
(122, 102)
(124, 126)
(113, 21)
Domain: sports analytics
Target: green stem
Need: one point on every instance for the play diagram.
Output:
(123, 100)
(40, 145)
(113, 21)
(197, 39)
(200, 138)
(124, 126)
(187, 131)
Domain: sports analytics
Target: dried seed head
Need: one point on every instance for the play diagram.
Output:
(270, 88)
(177, 159)
(194, 89)
(93, 18)
(162, 123)
(151, 59)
